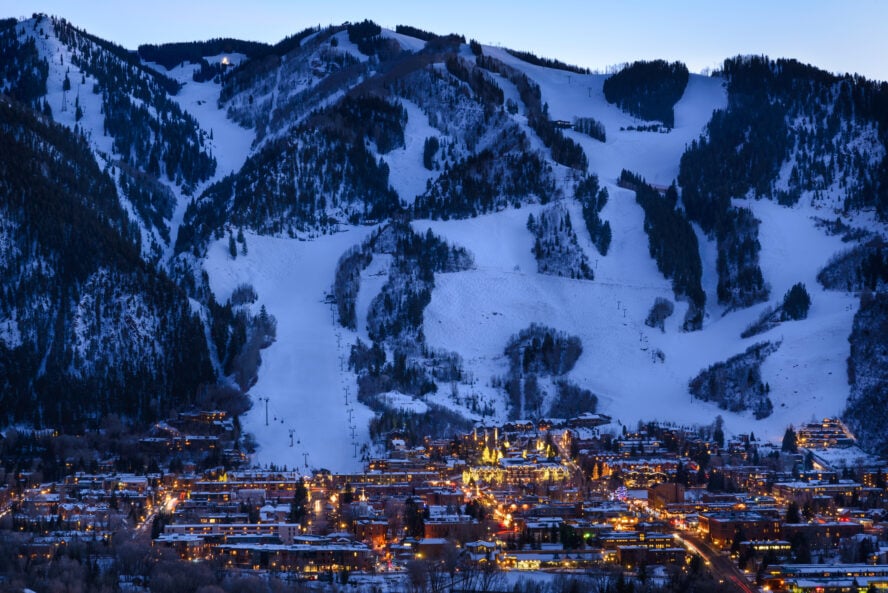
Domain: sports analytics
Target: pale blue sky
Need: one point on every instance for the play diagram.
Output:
(840, 36)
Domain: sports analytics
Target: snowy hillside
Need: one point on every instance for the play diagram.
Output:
(653, 155)
(302, 374)
(637, 372)
(405, 209)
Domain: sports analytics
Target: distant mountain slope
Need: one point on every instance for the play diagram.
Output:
(91, 323)
(432, 191)
(868, 373)
(479, 158)
(86, 327)
(790, 131)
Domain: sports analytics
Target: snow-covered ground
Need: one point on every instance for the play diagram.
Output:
(62, 102)
(63, 105)
(808, 375)
(841, 457)
(476, 312)
(346, 45)
(304, 374)
(654, 155)
(406, 42)
(228, 142)
(407, 174)
(372, 280)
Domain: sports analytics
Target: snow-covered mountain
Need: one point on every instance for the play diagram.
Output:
(420, 233)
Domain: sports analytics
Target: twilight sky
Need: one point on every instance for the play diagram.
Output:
(838, 35)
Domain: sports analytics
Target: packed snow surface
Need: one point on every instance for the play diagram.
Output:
(407, 174)
(654, 155)
(477, 312)
(839, 457)
(406, 42)
(230, 143)
(304, 374)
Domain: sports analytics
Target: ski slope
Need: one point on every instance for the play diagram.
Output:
(654, 155)
(476, 312)
(230, 143)
(407, 174)
(304, 373)
(808, 375)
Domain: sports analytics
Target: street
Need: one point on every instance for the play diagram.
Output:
(721, 565)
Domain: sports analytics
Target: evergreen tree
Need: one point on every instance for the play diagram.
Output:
(232, 247)
(681, 474)
(348, 494)
(297, 506)
(430, 147)
(796, 303)
(718, 435)
(807, 511)
(790, 443)
(414, 518)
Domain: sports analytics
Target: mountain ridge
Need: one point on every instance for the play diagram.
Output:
(314, 135)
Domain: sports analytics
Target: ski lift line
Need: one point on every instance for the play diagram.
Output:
(274, 412)
(596, 282)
